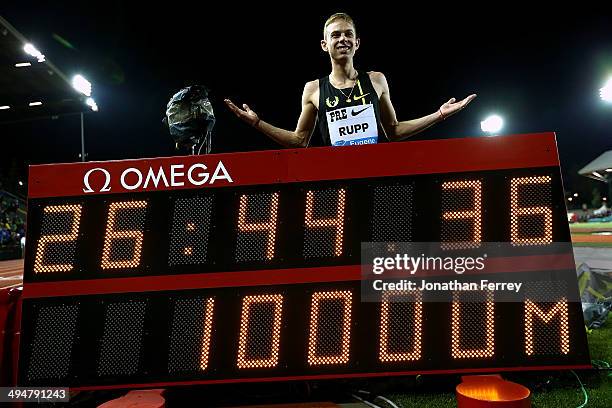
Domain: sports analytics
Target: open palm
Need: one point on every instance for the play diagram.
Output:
(451, 107)
(245, 114)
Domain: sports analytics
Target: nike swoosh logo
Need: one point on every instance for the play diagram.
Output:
(358, 97)
(355, 113)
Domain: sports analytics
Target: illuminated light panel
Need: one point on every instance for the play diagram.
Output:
(475, 214)
(417, 322)
(516, 212)
(605, 92)
(492, 124)
(245, 319)
(81, 84)
(112, 234)
(92, 104)
(208, 321)
(190, 226)
(337, 223)
(31, 50)
(489, 349)
(45, 240)
(560, 308)
(343, 356)
(188, 251)
(269, 226)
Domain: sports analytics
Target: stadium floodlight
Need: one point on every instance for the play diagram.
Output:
(20, 183)
(23, 64)
(4, 107)
(570, 199)
(92, 104)
(575, 194)
(37, 103)
(81, 84)
(31, 50)
(605, 93)
(492, 124)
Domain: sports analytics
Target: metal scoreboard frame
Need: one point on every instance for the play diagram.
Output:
(245, 267)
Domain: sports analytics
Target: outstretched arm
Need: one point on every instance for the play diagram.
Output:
(401, 130)
(305, 126)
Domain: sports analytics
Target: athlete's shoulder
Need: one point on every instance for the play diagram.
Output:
(311, 92)
(312, 85)
(377, 77)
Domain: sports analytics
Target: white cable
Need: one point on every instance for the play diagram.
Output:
(365, 402)
(388, 401)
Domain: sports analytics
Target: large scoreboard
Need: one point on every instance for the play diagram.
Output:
(247, 267)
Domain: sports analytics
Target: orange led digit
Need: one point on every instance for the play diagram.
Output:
(560, 309)
(269, 226)
(456, 350)
(474, 214)
(517, 211)
(417, 322)
(247, 323)
(339, 356)
(337, 222)
(45, 240)
(206, 335)
(113, 234)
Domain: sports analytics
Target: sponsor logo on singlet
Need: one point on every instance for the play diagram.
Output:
(352, 125)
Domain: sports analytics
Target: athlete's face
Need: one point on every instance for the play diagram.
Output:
(340, 41)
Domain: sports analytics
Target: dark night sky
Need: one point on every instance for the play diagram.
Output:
(540, 73)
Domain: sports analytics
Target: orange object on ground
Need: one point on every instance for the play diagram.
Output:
(491, 391)
(138, 399)
(591, 238)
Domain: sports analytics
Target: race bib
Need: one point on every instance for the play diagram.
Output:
(353, 125)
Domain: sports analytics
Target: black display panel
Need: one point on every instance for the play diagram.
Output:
(224, 330)
(289, 225)
(287, 331)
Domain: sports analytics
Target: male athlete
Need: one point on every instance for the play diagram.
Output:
(352, 107)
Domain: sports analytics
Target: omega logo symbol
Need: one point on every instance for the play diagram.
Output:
(106, 186)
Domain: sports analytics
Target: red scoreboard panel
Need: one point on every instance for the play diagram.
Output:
(246, 267)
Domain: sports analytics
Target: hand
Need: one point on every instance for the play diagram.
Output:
(451, 107)
(246, 114)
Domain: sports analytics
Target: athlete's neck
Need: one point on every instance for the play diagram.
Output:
(343, 72)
